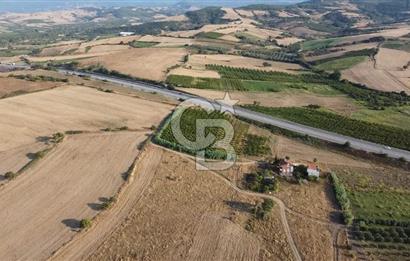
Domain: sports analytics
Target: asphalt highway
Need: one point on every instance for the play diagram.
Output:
(251, 115)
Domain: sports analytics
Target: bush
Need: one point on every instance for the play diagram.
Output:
(57, 137)
(263, 210)
(108, 203)
(85, 223)
(10, 175)
(342, 198)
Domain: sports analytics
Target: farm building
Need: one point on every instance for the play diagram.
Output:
(313, 170)
(126, 33)
(286, 168)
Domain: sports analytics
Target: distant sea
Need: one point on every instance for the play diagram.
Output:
(41, 5)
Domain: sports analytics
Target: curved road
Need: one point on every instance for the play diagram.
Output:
(251, 115)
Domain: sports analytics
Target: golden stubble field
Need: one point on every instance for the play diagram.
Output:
(47, 200)
(147, 63)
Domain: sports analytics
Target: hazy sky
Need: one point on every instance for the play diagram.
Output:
(44, 5)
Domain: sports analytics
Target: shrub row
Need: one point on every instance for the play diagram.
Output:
(273, 56)
(342, 199)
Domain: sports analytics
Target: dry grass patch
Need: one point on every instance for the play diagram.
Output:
(313, 240)
(195, 73)
(384, 80)
(191, 215)
(300, 152)
(147, 63)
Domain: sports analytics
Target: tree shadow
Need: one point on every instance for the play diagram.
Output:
(43, 139)
(334, 216)
(2, 177)
(31, 156)
(240, 206)
(72, 223)
(103, 199)
(95, 206)
(125, 175)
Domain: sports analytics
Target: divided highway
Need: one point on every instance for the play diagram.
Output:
(255, 116)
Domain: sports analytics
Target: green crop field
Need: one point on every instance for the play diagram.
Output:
(380, 205)
(142, 44)
(319, 44)
(244, 79)
(341, 64)
(393, 116)
(374, 132)
(210, 35)
(398, 45)
(228, 84)
(379, 214)
(188, 125)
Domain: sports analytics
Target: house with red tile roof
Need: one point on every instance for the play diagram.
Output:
(313, 170)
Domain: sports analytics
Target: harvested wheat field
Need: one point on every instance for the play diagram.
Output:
(392, 60)
(147, 63)
(166, 41)
(244, 13)
(304, 32)
(198, 61)
(15, 159)
(65, 57)
(230, 14)
(384, 80)
(72, 108)
(59, 50)
(11, 86)
(112, 40)
(340, 104)
(45, 206)
(187, 214)
(109, 48)
(191, 33)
